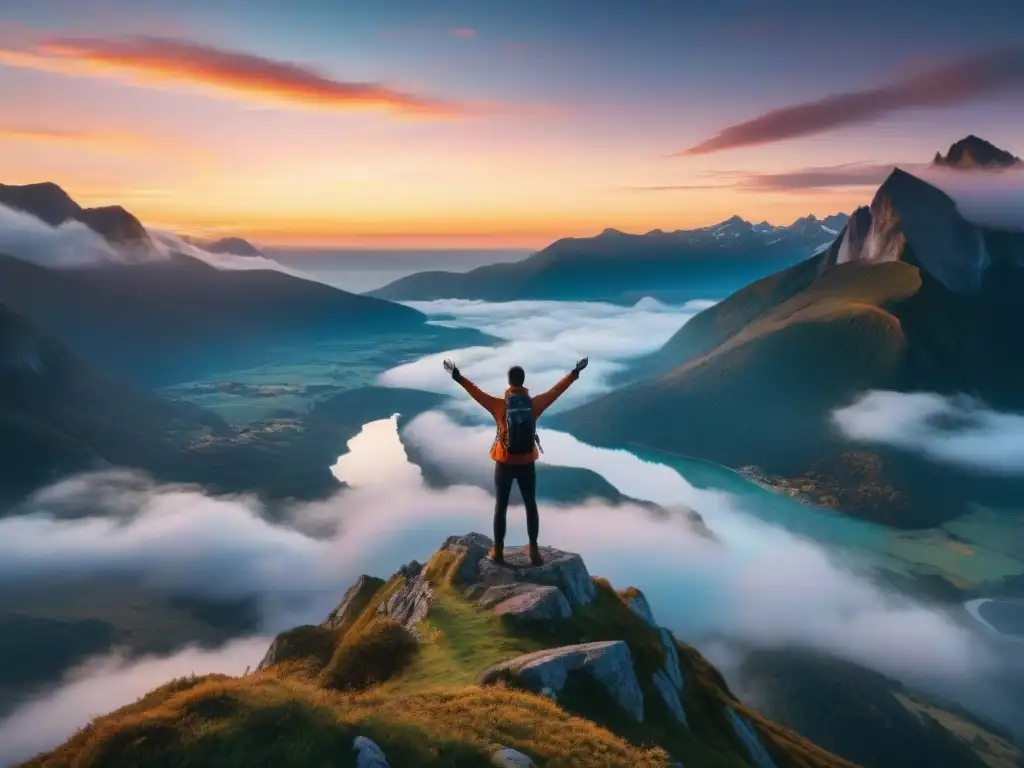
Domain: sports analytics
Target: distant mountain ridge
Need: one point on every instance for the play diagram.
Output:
(51, 204)
(910, 297)
(155, 321)
(616, 266)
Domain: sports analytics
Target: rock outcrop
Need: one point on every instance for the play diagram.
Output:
(745, 731)
(510, 758)
(368, 754)
(527, 601)
(608, 663)
(638, 604)
(411, 603)
(353, 603)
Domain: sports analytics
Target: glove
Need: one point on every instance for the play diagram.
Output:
(581, 365)
(452, 369)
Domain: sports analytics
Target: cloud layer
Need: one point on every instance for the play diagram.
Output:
(755, 582)
(104, 684)
(235, 74)
(72, 244)
(546, 338)
(954, 83)
(959, 431)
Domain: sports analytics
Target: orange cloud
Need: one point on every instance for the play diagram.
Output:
(114, 143)
(166, 61)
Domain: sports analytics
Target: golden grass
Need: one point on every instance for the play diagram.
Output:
(264, 719)
(376, 654)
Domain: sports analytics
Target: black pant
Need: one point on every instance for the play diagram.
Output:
(526, 476)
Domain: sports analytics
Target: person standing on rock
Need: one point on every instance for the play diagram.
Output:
(515, 447)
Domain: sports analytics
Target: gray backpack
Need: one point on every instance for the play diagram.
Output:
(520, 435)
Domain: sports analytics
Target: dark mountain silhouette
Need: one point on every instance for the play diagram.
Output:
(972, 152)
(60, 415)
(50, 203)
(162, 322)
(880, 722)
(910, 297)
(615, 266)
(233, 245)
(156, 320)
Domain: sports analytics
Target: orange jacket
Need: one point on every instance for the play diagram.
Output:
(496, 407)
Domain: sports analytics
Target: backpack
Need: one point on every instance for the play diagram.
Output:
(520, 436)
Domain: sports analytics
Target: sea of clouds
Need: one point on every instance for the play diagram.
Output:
(754, 582)
(546, 338)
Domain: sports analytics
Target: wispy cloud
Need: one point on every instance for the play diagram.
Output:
(102, 141)
(235, 74)
(466, 32)
(954, 83)
(959, 431)
(813, 178)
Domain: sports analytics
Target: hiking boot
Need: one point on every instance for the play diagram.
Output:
(497, 555)
(535, 556)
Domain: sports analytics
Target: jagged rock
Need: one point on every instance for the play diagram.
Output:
(473, 547)
(637, 603)
(673, 670)
(758, 754)
(670, 695)
(609, 663)
(527, 601)
(353, 602)
(506, 757)
(368, 754)
(410, 604)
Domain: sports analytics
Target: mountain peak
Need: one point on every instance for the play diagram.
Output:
(911, 220)
(236, 246)
(974, 152)
(44, 200)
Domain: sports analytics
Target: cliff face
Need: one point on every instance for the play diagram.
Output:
(912, 221)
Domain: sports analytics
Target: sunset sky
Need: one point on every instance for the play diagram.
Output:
(492, 122)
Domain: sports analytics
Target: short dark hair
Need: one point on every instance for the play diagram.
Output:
(516, 376)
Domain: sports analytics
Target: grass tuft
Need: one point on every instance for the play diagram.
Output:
(378, 653)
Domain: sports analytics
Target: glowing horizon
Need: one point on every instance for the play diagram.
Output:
(444, 128)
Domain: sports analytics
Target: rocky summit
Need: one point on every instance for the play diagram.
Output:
(459, 661)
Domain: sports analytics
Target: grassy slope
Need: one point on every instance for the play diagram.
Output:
(754, 380)
(778, 375)
(432, 713)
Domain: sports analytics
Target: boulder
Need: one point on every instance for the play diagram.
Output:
(411, 603)
(758, 754)
(510, 758)
(527, 601)
(608, 663)
(353, 603)
(670, 695)
(368, 754)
